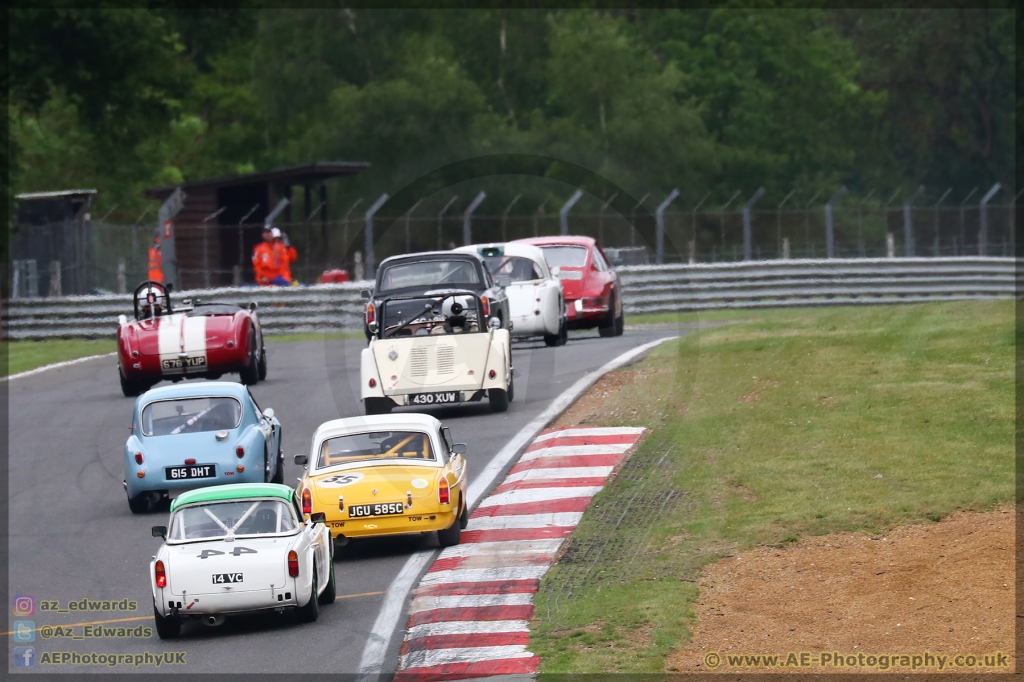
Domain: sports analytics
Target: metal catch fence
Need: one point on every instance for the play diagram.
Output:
(646, 289)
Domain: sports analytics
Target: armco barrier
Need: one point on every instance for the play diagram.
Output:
(646, 289)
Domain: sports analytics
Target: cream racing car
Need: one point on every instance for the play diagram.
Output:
(434, 349)
(239, 548)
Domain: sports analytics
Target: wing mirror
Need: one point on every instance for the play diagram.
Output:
(555, 270)
(372, 327)
(494, 323)
(301, 460)
(122, 319)
(459, 449)
(160, 532)
(318, 517)
(253, 305)
(269, 413)
(504, 281)
(365, 293)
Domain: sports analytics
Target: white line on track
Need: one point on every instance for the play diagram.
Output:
(470, 601)
(56, 365)
(468, 627)
(556, 519)
(564, 473)
(390, 614)
(591, 431)
(503, 547)
(575, 450)
(540, 495)
(432, 657)
(480, 575)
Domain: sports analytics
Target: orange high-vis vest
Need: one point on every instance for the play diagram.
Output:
(266, 264)
(156, 263)
(286, 255)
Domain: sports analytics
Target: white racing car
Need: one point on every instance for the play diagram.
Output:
(239, 548)
(436, 348)
(535, 299)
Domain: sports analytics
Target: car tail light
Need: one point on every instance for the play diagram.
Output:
(307, 501)
(240, 451)
(293, 564)
(492, 374)
(190, 461)
(240, 468)
(486, 305)
(141, 474)
(341, 503)
(159, 574)
(443, 493)
(373, 383)
(371, 313)
(138, 458)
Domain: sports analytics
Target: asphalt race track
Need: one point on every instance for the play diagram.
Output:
(72, 535)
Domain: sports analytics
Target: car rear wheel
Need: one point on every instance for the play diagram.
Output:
(560, 338)
(450, 537)
(251, 374)
(464, 518)
(620, 324)
(166, 628)
(139, 504)
(279, 471)
(607, 327)
(330, 592)
(130, 387)
(498, 399)
(311, 611)
(378, 405)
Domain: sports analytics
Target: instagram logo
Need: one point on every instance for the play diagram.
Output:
(24, 605)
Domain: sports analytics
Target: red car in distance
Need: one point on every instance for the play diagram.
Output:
(191, 340)
(593, 296)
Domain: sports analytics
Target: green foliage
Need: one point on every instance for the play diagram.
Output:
(702, 99)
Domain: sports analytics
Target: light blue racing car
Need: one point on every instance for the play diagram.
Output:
(195, 435)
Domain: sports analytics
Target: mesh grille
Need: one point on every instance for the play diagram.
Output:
(418, 362)
(445, 359)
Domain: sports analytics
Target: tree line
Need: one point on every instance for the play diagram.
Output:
(707, 100)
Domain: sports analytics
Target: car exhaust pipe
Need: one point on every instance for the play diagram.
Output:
(214, 621)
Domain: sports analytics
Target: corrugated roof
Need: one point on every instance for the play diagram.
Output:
(298, 175)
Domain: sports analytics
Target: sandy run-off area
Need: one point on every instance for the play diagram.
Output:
(912, 595)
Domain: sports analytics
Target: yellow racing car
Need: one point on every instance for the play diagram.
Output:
(386, 475)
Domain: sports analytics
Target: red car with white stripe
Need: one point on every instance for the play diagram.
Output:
(593, 295)
(196, 340)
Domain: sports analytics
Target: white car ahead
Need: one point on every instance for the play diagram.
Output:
(535, 297)
(239, 548)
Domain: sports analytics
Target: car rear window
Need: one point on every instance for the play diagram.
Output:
(428, 274)
(190, 415)
(374, 446)
(237, 518)
(519, 269)
(565, 256)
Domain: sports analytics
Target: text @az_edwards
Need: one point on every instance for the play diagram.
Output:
(833, 659)
(94, 632)
(84, 604)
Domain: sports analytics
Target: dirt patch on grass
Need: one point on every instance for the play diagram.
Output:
(946, 588)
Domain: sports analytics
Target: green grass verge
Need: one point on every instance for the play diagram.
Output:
(790, 423)
(25, 355)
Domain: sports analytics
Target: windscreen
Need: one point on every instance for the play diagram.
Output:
(242, 517)
(375, 446)
(206, 309)
(190, 415)
(519, 269)
(429, 274)
(565, 256)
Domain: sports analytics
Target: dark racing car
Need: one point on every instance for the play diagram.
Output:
(422, 273)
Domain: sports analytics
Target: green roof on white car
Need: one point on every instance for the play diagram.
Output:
(233, 491)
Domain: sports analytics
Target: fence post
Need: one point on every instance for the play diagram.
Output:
(983, 228)
(504, 218)
(467, 218)
(944, 195)
(908, 223)
(860, 225)
(440, 216)
(236, 272)
(785, 248)
(693, 251)
(659, 237)
(830, 235)
(122, 284)
(55, 286)
(369, 229)
(747, 236)
(632, 219)
(963, 226)
(778, 223)
(890, 245)
(408, 214)
(563, 213)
